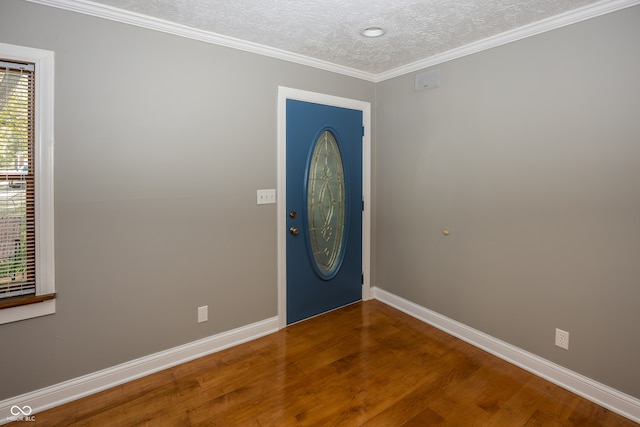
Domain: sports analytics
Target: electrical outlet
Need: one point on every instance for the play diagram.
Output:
(562, 339)
(203, 313)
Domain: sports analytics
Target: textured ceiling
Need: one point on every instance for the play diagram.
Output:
(329, 30)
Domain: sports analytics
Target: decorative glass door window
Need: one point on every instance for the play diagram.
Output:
(326, 205)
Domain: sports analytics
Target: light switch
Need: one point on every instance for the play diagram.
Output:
(266, 197)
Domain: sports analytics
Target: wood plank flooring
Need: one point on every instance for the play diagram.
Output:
(364, 365)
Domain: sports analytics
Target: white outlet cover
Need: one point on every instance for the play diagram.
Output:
(562, 339)
(203, 313)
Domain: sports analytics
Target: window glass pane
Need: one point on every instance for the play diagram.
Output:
(326, 204)
(17, 248)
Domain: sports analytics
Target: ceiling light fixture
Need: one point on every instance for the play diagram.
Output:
(373, 32)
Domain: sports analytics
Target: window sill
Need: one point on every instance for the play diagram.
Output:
(26, 307)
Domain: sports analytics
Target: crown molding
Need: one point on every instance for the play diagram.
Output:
(582, 14)
(136, 19)
(132, 18)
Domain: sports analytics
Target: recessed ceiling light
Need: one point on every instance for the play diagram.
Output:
(373, 32)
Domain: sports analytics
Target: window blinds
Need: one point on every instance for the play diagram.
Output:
(17, 180)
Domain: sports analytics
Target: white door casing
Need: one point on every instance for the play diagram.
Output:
(285, 93)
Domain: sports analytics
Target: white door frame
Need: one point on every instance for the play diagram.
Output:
(285, 93)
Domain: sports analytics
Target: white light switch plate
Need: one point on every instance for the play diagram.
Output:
(266, 197)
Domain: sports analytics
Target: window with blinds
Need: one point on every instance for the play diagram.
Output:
(17, 180)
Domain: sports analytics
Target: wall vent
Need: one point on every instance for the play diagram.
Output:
(428, 79)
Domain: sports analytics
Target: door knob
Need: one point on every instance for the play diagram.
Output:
(293, 214)
(294, 230)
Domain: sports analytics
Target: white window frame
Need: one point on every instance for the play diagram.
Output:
(45, 257)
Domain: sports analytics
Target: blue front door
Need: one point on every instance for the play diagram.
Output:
(324, 208)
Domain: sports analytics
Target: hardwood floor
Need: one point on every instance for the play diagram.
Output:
(364, 365)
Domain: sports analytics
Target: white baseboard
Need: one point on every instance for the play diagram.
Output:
(77, 388)
(603, 395)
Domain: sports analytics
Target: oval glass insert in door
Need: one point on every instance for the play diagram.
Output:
(326, 205)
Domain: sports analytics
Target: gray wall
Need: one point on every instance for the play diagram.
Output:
(161, 144)
(530, 154)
